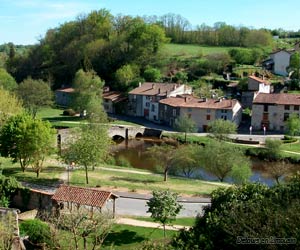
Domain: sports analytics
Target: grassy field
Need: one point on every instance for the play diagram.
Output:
(187, 50)
(134, 182)
(49, 176)
(122, 237)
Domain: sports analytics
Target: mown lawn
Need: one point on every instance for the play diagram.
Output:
(187, 50)
(49, 176)
(122, 237)
(136, 181)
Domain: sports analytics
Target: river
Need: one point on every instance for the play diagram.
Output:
(132, 153)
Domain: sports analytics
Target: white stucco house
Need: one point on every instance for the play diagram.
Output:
(201, 110)
(272, 110)
(144, 100)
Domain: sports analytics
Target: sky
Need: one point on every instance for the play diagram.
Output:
(26, 21)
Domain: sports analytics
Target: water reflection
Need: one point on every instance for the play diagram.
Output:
(134, 152)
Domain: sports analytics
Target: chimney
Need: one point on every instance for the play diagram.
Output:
(185, 99)
(204, 99)
(158, 90)
(140, 84)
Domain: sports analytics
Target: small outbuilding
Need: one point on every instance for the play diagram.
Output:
(81, 196)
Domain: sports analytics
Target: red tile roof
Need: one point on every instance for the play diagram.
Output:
(114, 96)
(151, 88)
(259, 80)
(83, 196)
(279, 99)
(188, 101)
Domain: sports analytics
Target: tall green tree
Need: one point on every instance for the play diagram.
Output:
(10, 105)
(27, 140)
(87, 147)
(7, 82)
(164, 207)
(163, 156)
(35, 94)
(295, 65)
(293, 125)
(88, 95)
(221, 160)
(185, 124)
(152, 74)
(220, 128)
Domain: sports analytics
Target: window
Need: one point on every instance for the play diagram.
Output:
(147, 97)
(153, 108)
(286, 116)
(147, 104)
(224, 111)
(134, 97)
(174, 112)
(266, 108)
(207, 117)
(287, 107)
(296, 107)
(165, 107)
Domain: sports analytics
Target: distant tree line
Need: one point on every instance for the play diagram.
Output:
(179, 30)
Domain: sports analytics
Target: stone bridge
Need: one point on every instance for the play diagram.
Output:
(116, 132)
(129, 132)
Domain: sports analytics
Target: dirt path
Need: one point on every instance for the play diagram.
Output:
(140, 223)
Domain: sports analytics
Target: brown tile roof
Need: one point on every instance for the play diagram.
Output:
(188, 101)
(83, 196)
(114, 96)
(66, 90)
(151, 88)
(259, 80)
(279, 99)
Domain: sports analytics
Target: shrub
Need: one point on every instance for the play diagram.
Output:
(69, 112)
(37, 230)
(122, 161)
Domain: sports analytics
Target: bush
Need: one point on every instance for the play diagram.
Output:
(122, 161)
(37, 230)
(69, 112)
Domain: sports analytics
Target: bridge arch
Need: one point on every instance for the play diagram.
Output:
(138, 135)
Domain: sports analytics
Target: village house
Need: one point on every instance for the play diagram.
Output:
(114, 102)
(255, 85)
(63, 96)
(201, 110)
(279, 61)
(272, 110)
(144, 100)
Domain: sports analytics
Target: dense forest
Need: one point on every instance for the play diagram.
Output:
(124, 50)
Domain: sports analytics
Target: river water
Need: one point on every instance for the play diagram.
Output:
(133, 152)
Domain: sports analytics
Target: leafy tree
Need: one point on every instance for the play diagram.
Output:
(7, 82)
(244, 212)
(163, 156)
(181, 77)
(90, 230)
(35, 95)
(272, 149)
(222, 160)
(8, 187)
(294, 67)
(88, 95)
(293, 125)
(27, 141)
(126, 74)
(185, 124)
(187, 159)
(164, 207)
(222, 128)
(152, 74)
(9, 106)
(87, 147)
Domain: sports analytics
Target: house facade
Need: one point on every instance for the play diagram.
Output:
(272, 110)
(255, 85)
(143, 101)
(63, 96)
(201, 110)
(281, 61)
(114, 102)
